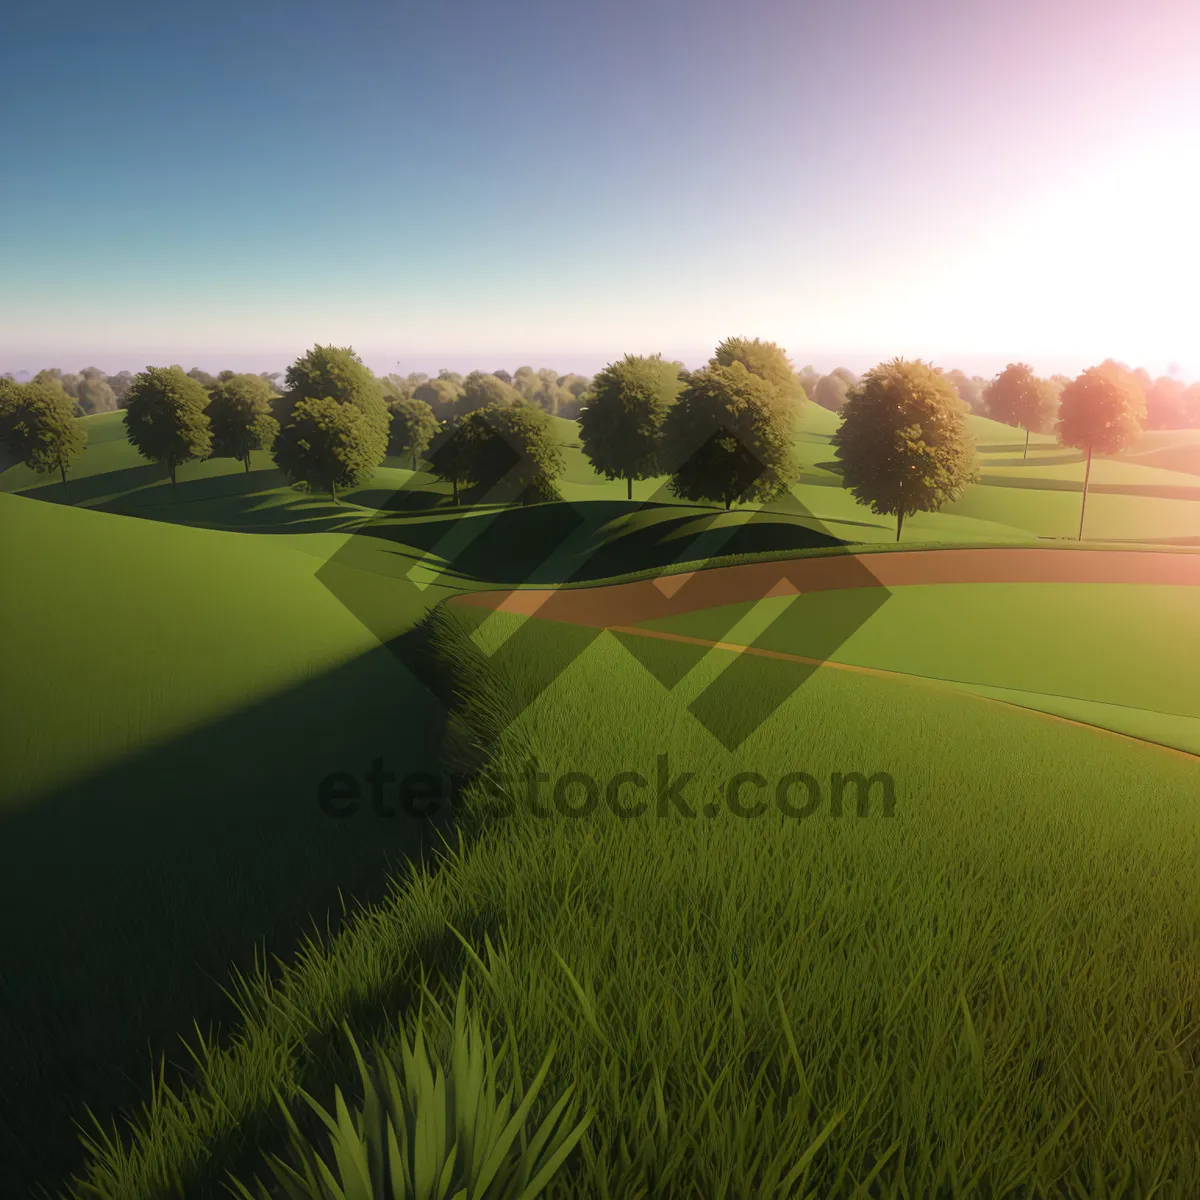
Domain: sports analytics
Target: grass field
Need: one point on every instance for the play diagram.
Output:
(188, 663)
(938, 1000)
(1052, 644)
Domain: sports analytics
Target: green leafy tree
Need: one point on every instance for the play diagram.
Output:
(1018, 397)
(239, 412)
(1101, 412)
(621, 427)
(94, 393)
(165, 418)
(317, 449)
(499, 443)
(729, 438)
(440, 394)
(39, 427)
(903, 443)
(807, 378)
(482, 391)
(203, 378)
(413, 427)
(120, 383)
(327, 444)
(451, 456)
(830, 392)
(764, 359)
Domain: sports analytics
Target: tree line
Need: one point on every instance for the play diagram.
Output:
(723, 433)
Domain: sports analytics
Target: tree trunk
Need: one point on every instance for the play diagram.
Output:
(454, 484)
(333, 492)
(727, 502)
(1026, 454)
(62, 470)
(899, 523)
(1083, 507)
(414, 457)
(171, 468)
(246, 463)
(628, 487)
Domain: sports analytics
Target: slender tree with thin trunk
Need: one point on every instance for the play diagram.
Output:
(1100, 412)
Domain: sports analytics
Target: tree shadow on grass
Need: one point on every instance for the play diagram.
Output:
(126, 897)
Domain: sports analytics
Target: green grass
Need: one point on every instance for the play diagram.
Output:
(1051, 643)
(173, 697)
(215, 657)
(994, 991)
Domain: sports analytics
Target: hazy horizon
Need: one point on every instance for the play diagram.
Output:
(228, 185)
(985, 366)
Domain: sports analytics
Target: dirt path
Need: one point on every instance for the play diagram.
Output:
(616, 604)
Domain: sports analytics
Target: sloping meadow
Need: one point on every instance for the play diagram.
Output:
(993, 990)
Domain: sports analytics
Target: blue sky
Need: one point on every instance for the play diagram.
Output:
(483, 184)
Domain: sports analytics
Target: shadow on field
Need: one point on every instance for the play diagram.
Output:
(126, 897)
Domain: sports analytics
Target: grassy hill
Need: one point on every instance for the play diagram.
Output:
(187, 664)
(173, 698)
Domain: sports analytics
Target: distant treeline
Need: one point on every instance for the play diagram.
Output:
(1170, 404)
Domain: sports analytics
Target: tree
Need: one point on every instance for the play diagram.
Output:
(440, 394)
(1018, 397)
(903, 443)
(830, 392)
(480, 391)
(38, 425)
(728, 437)
(164, 417)
(1166, 405)
(120, 384)
(452, 455)
(317, 447)
(970, 390)
(93, 392)
(503, 376)
(513, 444)
(327, 444)
(846, 375)
(413, 427)
(764, 359)
(526, 382)
(1101, 411)
(621, 427)
(807, 377)
(239, 411)
(203, 378)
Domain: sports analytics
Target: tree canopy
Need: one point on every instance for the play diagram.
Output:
(903, 443)
(39, 428)
(830, 392)
(327, 444)
(1018, 397)
(413, 427)
(764, 359)
(621, 426)
(317, 447)
(728, 437)
(165, 418)
(1101, 411)
(239, 413)
(480, 390)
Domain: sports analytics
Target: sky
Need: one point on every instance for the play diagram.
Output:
(465, 183)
